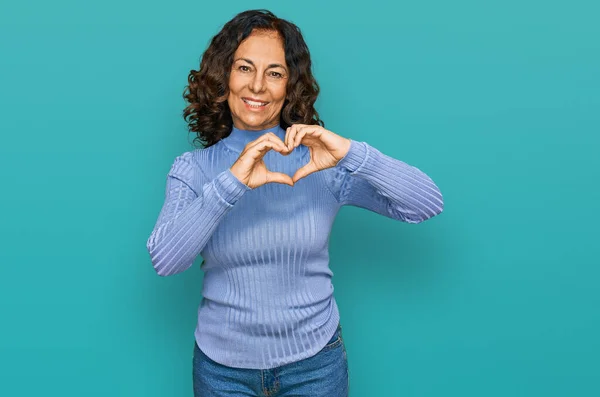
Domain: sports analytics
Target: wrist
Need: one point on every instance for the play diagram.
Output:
(234, 171)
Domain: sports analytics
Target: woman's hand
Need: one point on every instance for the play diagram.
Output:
(326, 148)
(250, 169)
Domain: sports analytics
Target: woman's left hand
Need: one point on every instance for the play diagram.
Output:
(326, 148)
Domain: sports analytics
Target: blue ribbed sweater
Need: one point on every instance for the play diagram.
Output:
(267, 292)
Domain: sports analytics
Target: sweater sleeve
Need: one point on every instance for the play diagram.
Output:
(191, 212)
(369, 179)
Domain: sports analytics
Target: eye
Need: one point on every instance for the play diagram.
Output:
(276, 74)
(244, 68)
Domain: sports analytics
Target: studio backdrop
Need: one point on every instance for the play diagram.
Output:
(496, 101)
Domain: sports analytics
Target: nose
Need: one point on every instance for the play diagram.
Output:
(258, 83)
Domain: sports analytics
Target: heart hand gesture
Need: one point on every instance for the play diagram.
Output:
(250, 169)
(326, 148)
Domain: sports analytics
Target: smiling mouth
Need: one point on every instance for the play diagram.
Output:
(255, 104)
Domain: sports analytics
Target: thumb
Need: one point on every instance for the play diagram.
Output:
(278, 177)
(304, 171)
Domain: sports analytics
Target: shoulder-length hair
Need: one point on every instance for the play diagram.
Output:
(208, 113)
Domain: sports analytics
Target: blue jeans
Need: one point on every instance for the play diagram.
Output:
(322, 375)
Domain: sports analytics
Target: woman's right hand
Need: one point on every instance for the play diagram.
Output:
(250, 169)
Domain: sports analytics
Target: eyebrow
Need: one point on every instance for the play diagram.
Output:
(273, 65)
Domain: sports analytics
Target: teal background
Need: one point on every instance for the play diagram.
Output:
(497, 101)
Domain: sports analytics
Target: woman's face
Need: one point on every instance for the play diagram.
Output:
(257, 82)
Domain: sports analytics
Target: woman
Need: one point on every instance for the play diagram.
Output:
(258, 202)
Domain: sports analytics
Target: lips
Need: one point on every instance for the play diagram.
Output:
(254, 103)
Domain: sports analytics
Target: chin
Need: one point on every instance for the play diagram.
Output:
(257, 124)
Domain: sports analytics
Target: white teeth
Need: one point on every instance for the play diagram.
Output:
(255, 104)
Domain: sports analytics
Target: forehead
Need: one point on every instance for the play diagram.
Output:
(262, 46)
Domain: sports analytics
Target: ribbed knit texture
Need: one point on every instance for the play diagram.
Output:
(267, 292)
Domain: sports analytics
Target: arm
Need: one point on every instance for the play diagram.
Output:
(369, 179)
(192, 210)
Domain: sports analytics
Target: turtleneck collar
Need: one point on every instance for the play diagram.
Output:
(239, 138)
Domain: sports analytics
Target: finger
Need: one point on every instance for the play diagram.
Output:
(253, 143)
(258, 151)
(279, 145)
(270, 137)
(274, 138)
(309, 130)
(266, 144)
(279, 177)
(304, 171)
(299, 136)
(290, 136)
(287, 134)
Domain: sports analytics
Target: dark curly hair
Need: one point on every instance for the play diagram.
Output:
(208, 113)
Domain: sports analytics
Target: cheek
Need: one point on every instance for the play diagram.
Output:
(235, 83)
(279, 92)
